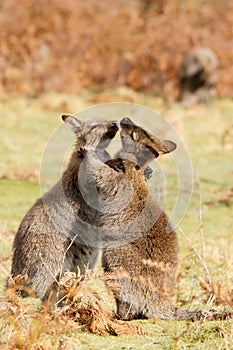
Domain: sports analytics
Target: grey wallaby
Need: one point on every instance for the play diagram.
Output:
(140, 247)
(51, 237)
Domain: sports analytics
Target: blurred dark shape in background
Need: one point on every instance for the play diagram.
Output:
(198, 76)
(66, 46)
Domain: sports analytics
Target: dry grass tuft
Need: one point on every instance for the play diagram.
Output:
(223, 198)
(217, 293)
(18, 175)
(83, 305)
(79, 308)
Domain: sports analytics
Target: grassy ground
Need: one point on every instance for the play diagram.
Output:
(25, 127)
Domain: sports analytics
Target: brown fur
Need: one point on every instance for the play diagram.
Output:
(46, 245)
(150, 260)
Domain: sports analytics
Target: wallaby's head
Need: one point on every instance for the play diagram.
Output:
(92, 134)
(141, 146)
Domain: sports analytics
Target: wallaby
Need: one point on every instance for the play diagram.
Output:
(139, 232)
(51, 237)
(141, 249)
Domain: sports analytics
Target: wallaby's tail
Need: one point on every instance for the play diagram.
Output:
(197, 315)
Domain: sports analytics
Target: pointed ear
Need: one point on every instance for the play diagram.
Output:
(73, 123)
(169, 146)
(158, 146)
(127, 121)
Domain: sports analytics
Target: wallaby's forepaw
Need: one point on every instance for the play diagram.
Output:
(148, 172)
(82, 152)
(116, 164)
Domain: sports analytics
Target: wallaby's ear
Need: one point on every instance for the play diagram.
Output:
(127, 121)
(157, 146)
(169, 146)
(73, 122)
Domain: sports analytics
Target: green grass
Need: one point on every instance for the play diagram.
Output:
(26, 125)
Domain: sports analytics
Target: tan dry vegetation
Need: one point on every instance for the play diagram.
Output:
(68, 46)
(82, 308)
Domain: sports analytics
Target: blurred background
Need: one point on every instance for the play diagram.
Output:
(67, 46)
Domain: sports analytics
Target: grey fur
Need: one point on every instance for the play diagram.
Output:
(49, 238)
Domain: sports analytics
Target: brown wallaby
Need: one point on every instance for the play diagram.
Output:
(51, 237)
(141, 250)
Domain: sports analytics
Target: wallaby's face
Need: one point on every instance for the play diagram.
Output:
(92, 134)
(141, 144)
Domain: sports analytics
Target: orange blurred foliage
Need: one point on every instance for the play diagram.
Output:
(70, 45)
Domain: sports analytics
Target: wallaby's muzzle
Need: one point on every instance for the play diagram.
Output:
(112, 130)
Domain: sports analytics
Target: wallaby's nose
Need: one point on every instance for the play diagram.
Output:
(126, 120)
(114, 125)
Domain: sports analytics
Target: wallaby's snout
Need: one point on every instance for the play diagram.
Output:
(115, 123)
